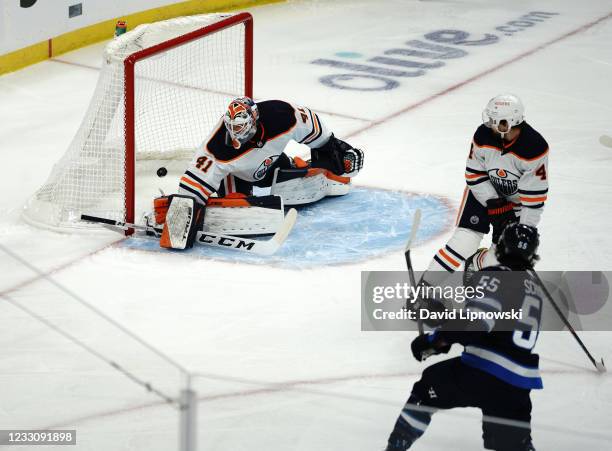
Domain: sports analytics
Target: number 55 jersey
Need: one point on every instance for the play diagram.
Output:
(504, 328)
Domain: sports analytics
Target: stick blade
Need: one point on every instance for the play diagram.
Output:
(601, 367)
(286, 226)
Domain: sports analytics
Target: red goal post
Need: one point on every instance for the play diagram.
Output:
(130, 62)
(161, 90)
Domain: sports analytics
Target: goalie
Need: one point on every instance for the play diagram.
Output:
(246, 149)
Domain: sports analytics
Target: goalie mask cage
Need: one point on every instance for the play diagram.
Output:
(162, 88)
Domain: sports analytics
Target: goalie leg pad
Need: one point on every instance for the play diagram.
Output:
(305, 186)
(243, 216)
(183, 220)
(297, 188)
(337, 185)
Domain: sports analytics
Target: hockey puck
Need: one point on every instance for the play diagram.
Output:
(161, 172)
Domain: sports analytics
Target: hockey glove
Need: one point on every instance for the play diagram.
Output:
(501, 213)
(338, 157)
(184, 219)
(427, 345)
(353, 162)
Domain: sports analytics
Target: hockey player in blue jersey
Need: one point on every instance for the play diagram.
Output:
(497, 369)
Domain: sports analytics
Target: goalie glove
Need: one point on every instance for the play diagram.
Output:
(183, 220)
(338, 157)
(353, 162)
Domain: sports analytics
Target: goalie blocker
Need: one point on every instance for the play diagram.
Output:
(183, 220)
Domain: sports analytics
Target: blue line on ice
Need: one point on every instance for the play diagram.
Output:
(364, 224)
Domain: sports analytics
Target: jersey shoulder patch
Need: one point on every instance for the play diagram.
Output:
(277, 117)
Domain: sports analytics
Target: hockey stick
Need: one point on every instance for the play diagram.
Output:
(259, 247)
(605, 140)
(598, 365)
(416, 221)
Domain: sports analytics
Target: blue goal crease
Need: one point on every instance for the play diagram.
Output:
(364, 224)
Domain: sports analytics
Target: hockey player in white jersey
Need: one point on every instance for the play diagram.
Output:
(507, 181)
(245, 150)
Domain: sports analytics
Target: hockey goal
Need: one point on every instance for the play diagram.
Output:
(161, 90)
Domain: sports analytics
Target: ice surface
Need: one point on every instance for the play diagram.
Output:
(284, 364)
(362, 225)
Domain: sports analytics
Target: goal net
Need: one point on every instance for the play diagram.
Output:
(161, 90)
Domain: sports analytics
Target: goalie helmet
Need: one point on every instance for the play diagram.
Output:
(241, 120)
(518, 242)
(504, 107)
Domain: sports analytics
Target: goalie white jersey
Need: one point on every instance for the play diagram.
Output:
(517, 171)
(218, 161)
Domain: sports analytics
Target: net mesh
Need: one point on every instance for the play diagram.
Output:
(180, 94)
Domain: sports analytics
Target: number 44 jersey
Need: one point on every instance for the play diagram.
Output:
(515, 170)
(501, 340)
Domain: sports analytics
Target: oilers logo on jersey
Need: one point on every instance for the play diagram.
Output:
(504, 181)
(262, 170)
